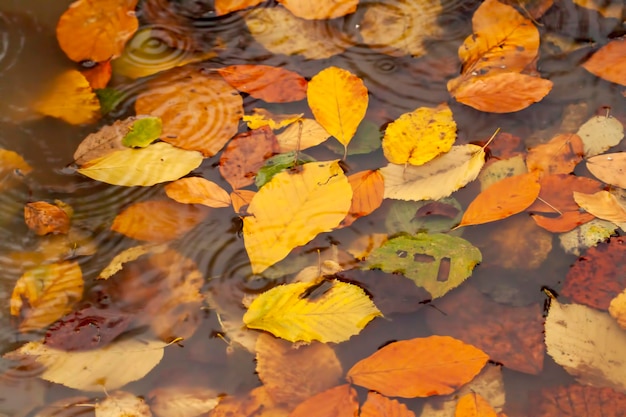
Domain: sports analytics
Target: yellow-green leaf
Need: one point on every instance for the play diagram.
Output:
(338, 100)
(156, 163)
(419, 136)
(332, 311)
(292, 209)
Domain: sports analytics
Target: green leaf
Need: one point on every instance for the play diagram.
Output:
(437, 262)
(143, 132)
(279, 163)
(423, 216)
(109, 98)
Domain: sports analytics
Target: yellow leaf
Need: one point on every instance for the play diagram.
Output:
(129, 255)
(292, 209)
(122, 404)
(70, 98)
(156, 163)
(609, 168)
(196, 190)
(617, 309)
(302, 135)
(11, 163)
(262, 117)
(435, 179)
(338, 100)
(329, 312)
(51, 291)
(474, 405)
(603, 205)
(321, 9)
(419, 136)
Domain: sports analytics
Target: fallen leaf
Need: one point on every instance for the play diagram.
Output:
(420, 367)
(609, 168)
(270, 84)
(587, 343)
(422, 216)
(617, 309)
(245, 154)
(158, 220)
(43, 218)
(566, 222)
(560, 155)
(69, 97)
(435, 262)
(144, 131)
(503, 199)
(498, 170)
(110, 367)
(323, 9)
(600, 133)
(419, 136)
(262, 117)
(280, 163)
(586, 236)
(510, 335)
(159, 162)
(367, 194)
(50, 290)
(474, 405)
(255, 403)
(292, 374)
(332, 311)
(338, 401)
(608, 62)
(122, 404)
(338, 100)
(12, 168)
(128, 255)
(377, 405)
(311, 201)
(241, 200)
(533, 8)
(304, 134)
(599, 275)
(96, 30)
(199, 111)
(557, 193)
(99, 75)
(435, 179)
(182, 401)
(223, 7)
(577, 400)
(603, 205)
(197, 190)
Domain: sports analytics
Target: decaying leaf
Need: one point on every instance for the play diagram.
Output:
(420, 367)
(557, 193)
(609, 62)
(577, 400)
(43, 218)
(367, 194)
(563, 223)
(558, 156)
(271, 84)
(600, 133)
(197, 190)
(331, 311)
(311, 201)
(500, 169)
(122, 404)
(603, 205)
(323, 9)
(338, 401)
(474, 405)
(586, 236)
(378, 405)
(609, 168)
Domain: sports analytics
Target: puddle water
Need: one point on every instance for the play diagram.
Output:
(30, 58)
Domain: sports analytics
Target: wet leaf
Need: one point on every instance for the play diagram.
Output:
(378, 405)
(279, 163)
(603, 205)
(241, 199)
(43, 218)
(223, 7)
(586, 236)
(197, 190)
(338, 100)
(587, 343)
(302, 135)
(182, 401)
(577, 400)
(255, 403)
(270, 84)
(609, 62)
(331, 312)
(96, 30)
(262, 117)
(435, 179)
(437, 262)
(323, 9)
(367, 194)
(158, 220)
(558, 156)
(423, 216)
(292, 374)
(503, 199)
(143, 132)
(245, 154)
(128, 255)
(600, 133)
(110, 367)
(609, 168)
(12, 165)
(50, 290)
(419, 136)
(617, 309)
(99, 75)
(199, 111)
(599, 275)
(159, 162)
(501, 169)
(509, 335)
(474, 405)
(566, 222)
(420, 367)
(557, 193)
(338, 401)
(314, 200)
(122, 404)
(69, 97)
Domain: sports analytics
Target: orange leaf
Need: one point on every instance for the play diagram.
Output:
(377, 405)
(505, 198)
(474, 405)
(421, 367)
(99, 75)
(320, 9)
(43, 218)
(609, 62)
(255, 403)
(577, 400)
(559, 156)
(271, 84)
(241, 199)
(558, 192)
(245, 154)
(223, 7)
(569, 220)
(158, 221)
(335, 402)
(199, 111)
(368, 189)
(195, 190)
(96, 30)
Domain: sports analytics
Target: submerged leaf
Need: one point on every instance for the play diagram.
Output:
(43, 218)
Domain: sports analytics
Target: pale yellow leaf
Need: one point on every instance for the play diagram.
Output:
(609, 168)
(302, 135)
(292, 209)
(321, 9)
(600, 133)
(159, 162)
(122, 404)
(435, 179)
(602, 205)
(196, 190)
(331, 312)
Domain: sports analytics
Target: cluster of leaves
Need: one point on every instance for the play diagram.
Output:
(188, 114)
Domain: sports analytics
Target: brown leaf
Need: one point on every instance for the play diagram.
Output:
(609, 62)
(559, 156)
(577, 400)
(335, 402)
(197, 190)
(377, 405)
(255, 403)
(557, 192)
(271, 84)
(367, 194)
(43, 218)
(567, 221)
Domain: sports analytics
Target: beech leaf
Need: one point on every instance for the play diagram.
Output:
(196, 190)
(609, 62)
(271, 84)
(603, 205)
(474, 405)
(609, 168)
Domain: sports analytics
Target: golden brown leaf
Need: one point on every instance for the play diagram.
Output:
(262, 118)
(196, 190)
(377, 405)
(96, 30)
(368, 189)
(339, 401)
(609, 62)
(321, 9)
(557, 193)
(12, 166)
(43, 218)
(603, 205)
(609, 168)
(270, 84)
(99, 75)
(474, 405)
(302, 135)
(559, 156)
(223, 7)
(577, 400)
(241, 199)
(563, 223)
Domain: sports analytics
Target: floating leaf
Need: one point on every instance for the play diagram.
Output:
(600, 133)
(43, 218)
(51, 291)
(474, 405)
(302, 135)
(241, 199)
(557, 193)
(586, 236)
(223, 7)
(603, 205)
(270, 84)
(302, 312)
(577, 400)
(609, 62)
(96, 30)
(501, 169)
(559, 156)
(422, 216)
(254, 402)
(280, 163)
(419, 136)
(262, 118)
(154, 164)
(503, 199)
(338, 401)
(311, 201)
(436, 262)
(435, 179)
(609, 168)
(338, 100)
(143, 132)
(617, 309)
(196, 190)
(367, 194)
(378, 405)
(11, 163)
(199, 111)
(183, 401)
(122, 404)
(322, 9)
(420, 367)
(99, 75)
(566, 222)
(128, 255)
